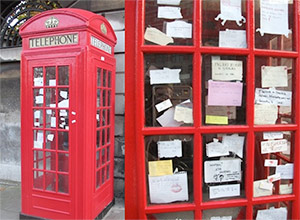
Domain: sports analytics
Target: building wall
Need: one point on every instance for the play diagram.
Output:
(10, 152)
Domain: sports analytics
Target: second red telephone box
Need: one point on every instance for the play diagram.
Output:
(67, 123)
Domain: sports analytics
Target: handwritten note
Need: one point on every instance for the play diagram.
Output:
(163, 105)
(183, 114)
(168, 2)
(179, 29)
(273, 96)
(274, 76)
(273, 146)
(169, 12)
(160, 168)
(229, 111)
(234, 143)
(265, 114)
(167, 119)
(231, 10)
(63, 94)
(222, 191)
(64, 103)
(225, 93)
(63, 113)
(274, 17)
(274, 177)
(271, 163)
(286, 171)
(273, 135)
(285, 189)
(164, 76)
(37, 114)
(39, 99)
(216, 149)
(218, 120)
(169, 149)
(232, 38)
(39, 81)
(266, 185)
(168, 188)
(218, 171)
(50, 137)
(227, 70)
(272, 214)
(156, 36)
(258, 191)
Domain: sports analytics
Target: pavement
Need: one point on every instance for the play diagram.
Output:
(10, 203)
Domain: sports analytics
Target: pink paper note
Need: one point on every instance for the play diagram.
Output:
(225, 93)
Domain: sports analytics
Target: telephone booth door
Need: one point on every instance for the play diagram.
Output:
(67, 124)
(212, 109)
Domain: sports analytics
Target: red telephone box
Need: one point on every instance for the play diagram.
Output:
(212, 109)
(67, 115)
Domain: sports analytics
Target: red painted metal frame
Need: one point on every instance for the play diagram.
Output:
(135, 178)
(84, 201)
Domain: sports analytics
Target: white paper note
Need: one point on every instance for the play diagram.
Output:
(37, 124)
(168, 188)
(169, 12)
(156, 36)
(221, 218)
(168, 2)
(218, 171)
(216, 149)
(63, 94)
(37, 114)
(169, 149)
(229, 111)
(64, 103)
(39, 81)
(273, 146)
(63, 113)
(286, 171)
(265, 114)
(163, 105)
(273, 96)
(271, 163)
(179, 29)
(273, 135)
(222, 191)
(257, 191)
(40, 137)
(38, 145)
(52, 105)
(233, 38)
(41, 91)
(266, 185)
(274, 17)
(49, 111)
(167, 119)
(164, 76)
(183, 114)
(274, 177)
(52, 82)
(50, 137)
(227, 70)
(231, 10)
(53, 122)
(234, 143)
(274, 76)
(39, 99)
(285, 189)
(272, 214)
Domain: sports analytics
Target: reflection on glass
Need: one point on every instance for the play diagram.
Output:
(107, 172)
(98, 159)
(103, 137)
(37, 179)
(234, 213)
(38, 161)
(168, 90)
(51, 98)
(169, 24)
(99, 79)
(223, 90)
(50, 181)
(104, 78)
(169, 168)
(103, 161)
(223, 166)
(63, 183)
(220, 29)
(50, 140)
(38, 78)
(274, 78)
(109, 79)
(98, 179)
(50, 161)
(63, 75)
(274, 166)
(63, 162)
(50, 76)
(98, 97)
(172, 215)
(63, 141)
(274, 31)
(98, 139)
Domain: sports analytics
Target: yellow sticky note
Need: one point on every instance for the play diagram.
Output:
(219, 120)
(160, 168)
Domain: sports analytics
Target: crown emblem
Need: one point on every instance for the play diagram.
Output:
(52, 22)
(103, 28)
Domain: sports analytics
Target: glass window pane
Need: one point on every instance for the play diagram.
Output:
(230, 213)
(99, 79)
(109, 79)
(99, 97)
(223, 90)
(168, 90)
(174, 24)
(50, 140)
(224, 163)
(274, 163)
(103, 160)
(98, 159)
(38, 139)
(63, 162)
(38, 179)
(172, 215)
(38, 119)
(63, 183)
(51, 121)
(50, 76)
(104, 79)
(98, 139)
(38, 160)
(38, 97)
(274, 31)
(63, 75)
(51, 98)
(279, 210)
(63, 119)
(107, 172)
(169, 159)
(50, 181)
(220, 29)
(102, 175)
(50, 161)
(63, 141)
(38, 77)
(274, 78)
(98, 179)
